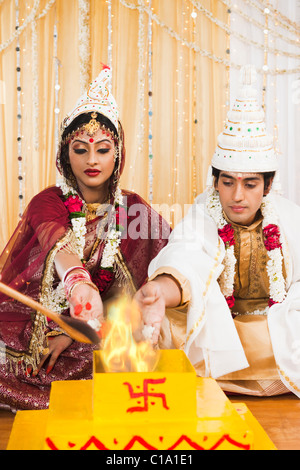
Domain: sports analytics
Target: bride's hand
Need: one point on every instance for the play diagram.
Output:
(86, 304)
(56, 345)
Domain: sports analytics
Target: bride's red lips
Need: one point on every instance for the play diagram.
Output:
(91, 172)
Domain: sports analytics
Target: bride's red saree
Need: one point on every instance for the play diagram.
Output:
(25, 265)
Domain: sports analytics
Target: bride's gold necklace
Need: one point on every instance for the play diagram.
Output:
(92, 209)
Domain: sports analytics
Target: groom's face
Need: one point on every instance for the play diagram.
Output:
(241, 195)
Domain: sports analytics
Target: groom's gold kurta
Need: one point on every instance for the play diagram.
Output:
(251, 292)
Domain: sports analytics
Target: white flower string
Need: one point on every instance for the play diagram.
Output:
(113, 238)
(241, 37)
(56, 86)
(283, 20)
(141, 86)
(79, 228)
(274, 266)
(227, 276)
(203, 52)
(259, 25)
(194, 108)
(35, 85)
(21, 28)
(78, 223)
(272, 13)
(84, 43)
(109, 31)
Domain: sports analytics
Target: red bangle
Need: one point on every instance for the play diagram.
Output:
(81, 268)
(75, 278)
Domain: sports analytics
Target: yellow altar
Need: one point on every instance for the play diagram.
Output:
(167, 409)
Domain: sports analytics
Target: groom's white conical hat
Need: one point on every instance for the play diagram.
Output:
(245, 145)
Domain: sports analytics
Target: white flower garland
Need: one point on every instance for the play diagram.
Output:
(78, 224)
(79, 229)
(203, 52)
(84, 43)
(227, 276)
(274, 265)
(31, 17)
(111, 248)
(113, 238)
(58, 300)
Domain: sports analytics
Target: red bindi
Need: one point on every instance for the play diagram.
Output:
(91, 140)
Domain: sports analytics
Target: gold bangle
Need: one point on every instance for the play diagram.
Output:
(89, 283)
(54, 333)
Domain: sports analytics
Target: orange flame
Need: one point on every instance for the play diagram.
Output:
(121, 352)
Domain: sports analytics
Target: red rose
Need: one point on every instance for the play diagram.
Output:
(271, 302)
(121, 216)
(227, 235)
(230, 301)
(73, 204)
(103, 278)
(272, 237)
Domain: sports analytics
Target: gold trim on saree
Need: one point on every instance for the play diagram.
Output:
(123, 274)
(31, 357)
(288, 380)
(48, 273)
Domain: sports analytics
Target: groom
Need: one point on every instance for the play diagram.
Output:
(229, 294)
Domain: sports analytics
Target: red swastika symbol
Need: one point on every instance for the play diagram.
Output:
(145, 394)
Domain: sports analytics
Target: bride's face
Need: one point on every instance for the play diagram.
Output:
(92, 159)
